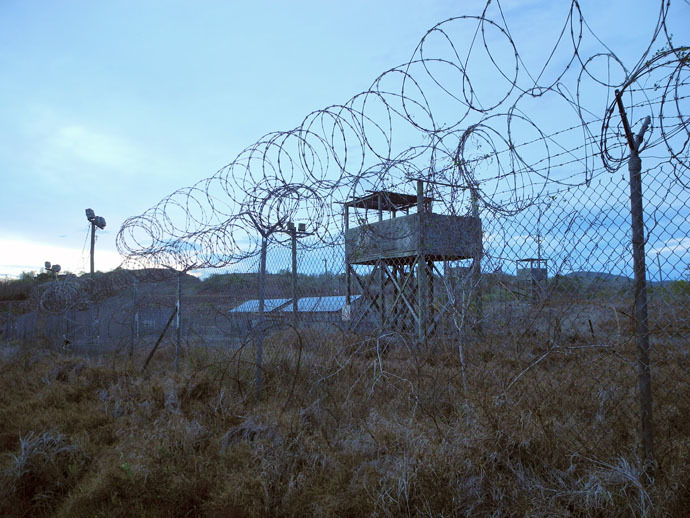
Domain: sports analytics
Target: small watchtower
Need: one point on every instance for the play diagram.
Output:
(532, 276)
(403, 250)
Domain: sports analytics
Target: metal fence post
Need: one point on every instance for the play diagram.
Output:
(421, 268)
(477, 274)
(641, 312)
(348, 283)
(293, 238)
(640, 272)
(262, 296)
(135, 319)
(177, 321)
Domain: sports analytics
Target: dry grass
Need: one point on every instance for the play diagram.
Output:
(344, 427)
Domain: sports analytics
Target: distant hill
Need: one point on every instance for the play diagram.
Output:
(599, 277)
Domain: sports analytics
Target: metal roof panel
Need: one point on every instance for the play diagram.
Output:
(252, 306)
(321, 304)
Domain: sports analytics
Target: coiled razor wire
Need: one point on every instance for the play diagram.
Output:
(465, 114)
(71, 292)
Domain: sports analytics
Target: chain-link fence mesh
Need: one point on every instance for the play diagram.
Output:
(487, 269)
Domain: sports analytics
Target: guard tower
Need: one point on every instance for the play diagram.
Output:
(532, 275)
(402, 251)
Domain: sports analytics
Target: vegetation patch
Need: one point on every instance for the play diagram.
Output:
(343, 427)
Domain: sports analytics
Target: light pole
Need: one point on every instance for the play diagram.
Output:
(96, 221)
(294, 232)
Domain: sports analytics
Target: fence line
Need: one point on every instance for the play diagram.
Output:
(501, 238)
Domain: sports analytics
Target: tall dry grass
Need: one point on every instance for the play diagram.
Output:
(345, 427)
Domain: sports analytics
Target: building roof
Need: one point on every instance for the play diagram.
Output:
(252, 306)
(320, 304)
(390, 201)
(304, 305)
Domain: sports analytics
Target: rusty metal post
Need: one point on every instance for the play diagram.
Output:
(421, 267)
(135, 319)
(178, 322)
(640, 272)
(430, 290)
(477, 273)
(380, 267)
(293, 239)
(262, 297)
(348, 279)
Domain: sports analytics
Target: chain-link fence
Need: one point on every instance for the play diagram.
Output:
(519, 265)
(537, 307)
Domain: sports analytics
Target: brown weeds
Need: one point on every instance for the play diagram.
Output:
(345, 427)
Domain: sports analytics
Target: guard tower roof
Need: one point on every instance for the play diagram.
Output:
(390, 201)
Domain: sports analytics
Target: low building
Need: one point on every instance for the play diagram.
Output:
(317, 309)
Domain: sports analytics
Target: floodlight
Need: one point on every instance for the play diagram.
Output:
(55, 268)
(96, 221)
(302, 227)
(291, 225)
(47, 265)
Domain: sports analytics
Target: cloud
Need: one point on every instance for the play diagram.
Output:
(678, 246)
(74, 142)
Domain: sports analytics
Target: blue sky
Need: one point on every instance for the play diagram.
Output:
(114, 105)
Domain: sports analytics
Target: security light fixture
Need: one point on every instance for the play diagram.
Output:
(52, 268)
(55, 268)
(301, 228)
(96, 221)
